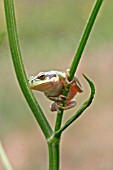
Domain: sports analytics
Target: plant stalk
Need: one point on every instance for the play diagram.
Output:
(53, 140)
(20, 71)
(73, 68)
(84, 38)
(78, 54)
(54, 152)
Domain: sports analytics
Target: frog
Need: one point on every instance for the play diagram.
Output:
(52, 83)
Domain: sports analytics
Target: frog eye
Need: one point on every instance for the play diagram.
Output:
(41, 76)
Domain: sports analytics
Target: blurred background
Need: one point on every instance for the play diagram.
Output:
(49, 32)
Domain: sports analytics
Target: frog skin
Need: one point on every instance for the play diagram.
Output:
(52, 83)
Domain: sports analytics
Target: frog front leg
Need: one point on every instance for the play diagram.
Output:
(60, 98)
(75, 82)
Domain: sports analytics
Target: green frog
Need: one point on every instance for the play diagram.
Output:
(52, 83)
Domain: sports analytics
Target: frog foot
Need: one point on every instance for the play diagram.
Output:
(56, 106)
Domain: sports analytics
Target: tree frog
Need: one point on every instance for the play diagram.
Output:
(52, 84)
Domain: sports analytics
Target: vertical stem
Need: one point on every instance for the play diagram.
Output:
(58, 120)
(60, 113)
(53, 141)
(54, 153)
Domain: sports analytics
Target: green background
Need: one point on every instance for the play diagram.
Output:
(49, 32)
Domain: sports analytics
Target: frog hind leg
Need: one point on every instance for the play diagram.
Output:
(56, 106)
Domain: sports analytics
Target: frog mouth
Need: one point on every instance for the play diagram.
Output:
(43, 86)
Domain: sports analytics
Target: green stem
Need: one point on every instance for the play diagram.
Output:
(4, 159)
(79, 52)
(58, 120)
(53, 141)
(60, 113)
(54, 155)
(84, 38)
(19, 68)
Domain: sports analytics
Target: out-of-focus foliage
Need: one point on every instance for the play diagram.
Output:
(49, 32)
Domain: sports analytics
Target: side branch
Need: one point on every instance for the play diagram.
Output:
(80, 111)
